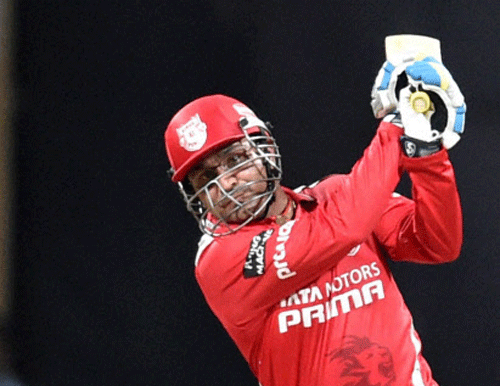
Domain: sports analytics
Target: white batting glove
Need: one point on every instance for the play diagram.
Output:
(419, 138)
(448, 103)
(384, 95)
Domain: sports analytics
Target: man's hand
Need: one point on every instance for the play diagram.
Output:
(390, 79)
(445, 121)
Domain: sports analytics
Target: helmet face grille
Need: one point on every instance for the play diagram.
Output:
(263, 151)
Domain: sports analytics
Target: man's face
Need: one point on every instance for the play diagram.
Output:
(231, 178)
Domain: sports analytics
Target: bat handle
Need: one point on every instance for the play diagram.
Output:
(420, 102)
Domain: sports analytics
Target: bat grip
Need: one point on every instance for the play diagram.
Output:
(420, 102)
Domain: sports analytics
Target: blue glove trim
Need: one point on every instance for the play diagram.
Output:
(388, 69)
(423, 71)
(430, 59)
(459, 120)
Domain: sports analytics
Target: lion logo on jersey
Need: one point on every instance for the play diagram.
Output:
(361, 362)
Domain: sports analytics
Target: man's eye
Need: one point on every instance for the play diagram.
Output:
(235, 159)
(205, 177)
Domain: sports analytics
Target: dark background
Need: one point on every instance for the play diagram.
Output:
(104, 292)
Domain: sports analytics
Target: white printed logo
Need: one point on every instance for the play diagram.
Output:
(282, 269)
(411, 149)
(354, 250)
(243, 110)
(347, 292)
(193, 134)
(339, 304)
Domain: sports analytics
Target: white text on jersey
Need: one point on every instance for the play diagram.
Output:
(282, 269)
(326, 311)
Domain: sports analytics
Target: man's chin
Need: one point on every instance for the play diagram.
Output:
(253, 210)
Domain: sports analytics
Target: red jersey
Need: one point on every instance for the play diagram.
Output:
(312, 302)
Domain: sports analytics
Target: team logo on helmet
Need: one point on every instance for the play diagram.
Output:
(193, 134)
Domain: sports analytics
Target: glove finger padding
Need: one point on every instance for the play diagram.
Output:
(390, 79)
(430, 75)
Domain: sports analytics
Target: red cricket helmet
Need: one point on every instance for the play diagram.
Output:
(204, 126)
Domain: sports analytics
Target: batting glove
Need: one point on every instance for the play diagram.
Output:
(385, 91)
(444, 122)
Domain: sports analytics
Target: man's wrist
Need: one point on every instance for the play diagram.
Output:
(416, 148)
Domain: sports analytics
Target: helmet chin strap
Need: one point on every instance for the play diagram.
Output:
(265, 212)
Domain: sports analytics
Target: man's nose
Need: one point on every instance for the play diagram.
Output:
(228, 181)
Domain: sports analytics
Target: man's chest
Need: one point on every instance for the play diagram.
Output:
(359, 280)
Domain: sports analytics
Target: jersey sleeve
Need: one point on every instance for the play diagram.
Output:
(347, 210)
(427, 228)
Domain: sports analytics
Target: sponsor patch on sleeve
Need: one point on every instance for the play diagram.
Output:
(256, 259)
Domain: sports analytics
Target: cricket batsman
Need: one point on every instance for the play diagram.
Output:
(299, 278)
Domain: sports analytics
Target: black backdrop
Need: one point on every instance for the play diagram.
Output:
(104, 292)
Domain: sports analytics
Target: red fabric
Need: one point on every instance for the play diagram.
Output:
(326, 310)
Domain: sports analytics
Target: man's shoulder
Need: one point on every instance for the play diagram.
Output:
(226, 247)
(203, 243)
(314, 191)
